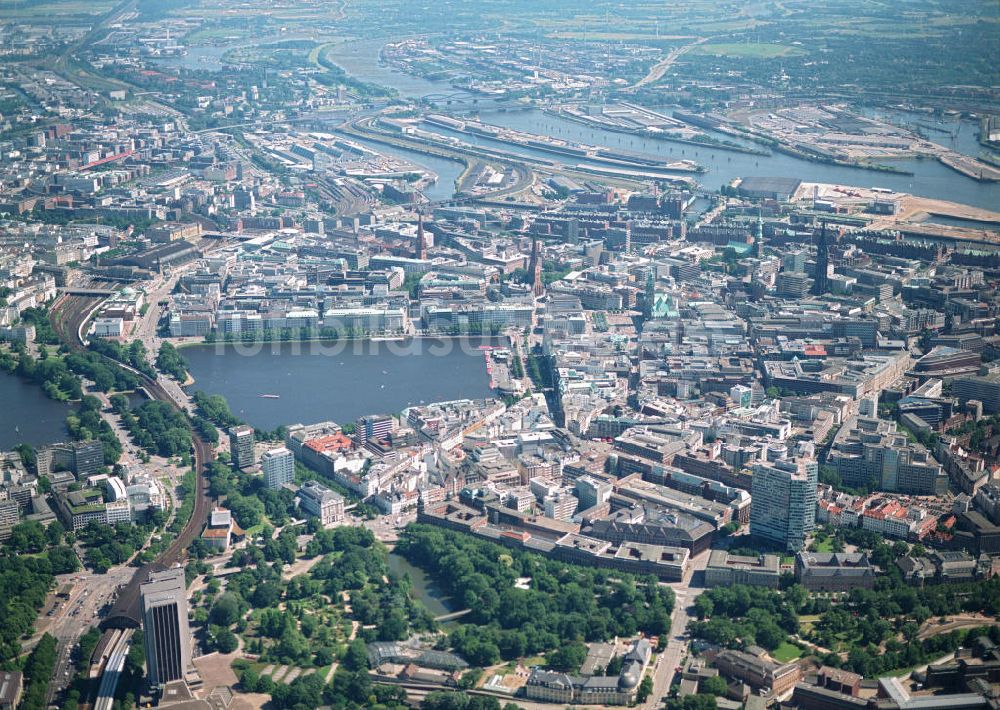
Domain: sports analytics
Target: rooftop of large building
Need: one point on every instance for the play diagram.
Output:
(722, 559)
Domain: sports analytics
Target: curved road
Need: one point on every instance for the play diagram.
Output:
(68, 315)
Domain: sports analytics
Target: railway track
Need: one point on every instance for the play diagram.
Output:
(67, 317)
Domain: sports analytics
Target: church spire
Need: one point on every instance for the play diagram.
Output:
(758, 237)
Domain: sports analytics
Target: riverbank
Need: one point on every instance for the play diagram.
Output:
(369, 134)
(577, 151)
(915, 215)
(924, 178)
(720, 145)
(861, 165)
(975, 169)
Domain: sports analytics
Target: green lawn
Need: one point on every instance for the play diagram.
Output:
(256, 529)
(786, 652)
(239, 664)
(824, 545)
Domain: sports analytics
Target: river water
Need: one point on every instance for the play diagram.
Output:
(448, 171)
(361, 60)
(338, 381)
(929, 178)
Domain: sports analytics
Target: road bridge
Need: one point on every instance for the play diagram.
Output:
(464, 100)
(87, 292)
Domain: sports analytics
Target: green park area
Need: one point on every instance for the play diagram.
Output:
(873, 632)
(748, 50)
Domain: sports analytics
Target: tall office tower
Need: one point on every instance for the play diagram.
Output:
(165, 625)
(241, 446)
(784, 502)
(821, 283)
(279, 467)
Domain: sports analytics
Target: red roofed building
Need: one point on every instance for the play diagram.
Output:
(889, 518)
(330, 444)
(521, 536)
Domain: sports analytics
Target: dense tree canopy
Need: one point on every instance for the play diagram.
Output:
(110, 545)
(170, 362)
(24, 583)
(37, 673)
(748, 615)
(159, 428)
(877, 629)
(133, 354)
(565, 602)
(215, 409)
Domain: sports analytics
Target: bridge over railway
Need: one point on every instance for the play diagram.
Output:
(87, 292)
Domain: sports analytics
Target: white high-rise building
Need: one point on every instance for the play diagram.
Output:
(279, 467)
(784, 502)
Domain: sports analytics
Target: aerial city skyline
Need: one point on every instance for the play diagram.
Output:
(484, 355)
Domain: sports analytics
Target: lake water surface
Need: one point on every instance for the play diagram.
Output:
(27, 416)
(338, 381)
